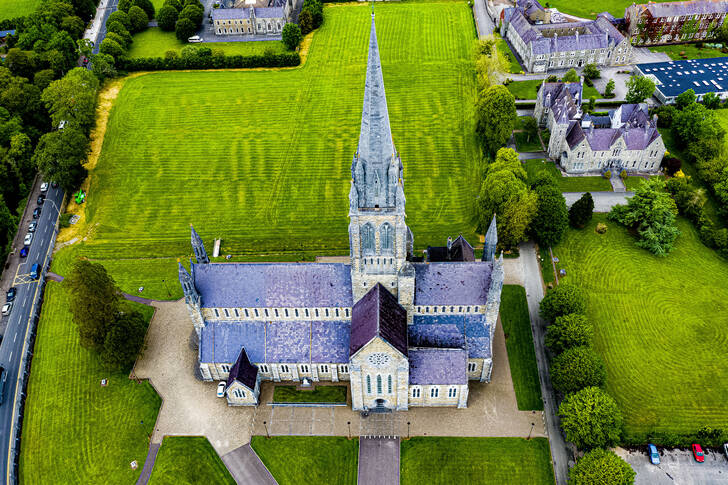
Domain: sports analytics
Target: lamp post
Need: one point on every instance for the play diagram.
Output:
(167, 288)
(408, 429)
(348, 424)
(529, 433)
(267, 434)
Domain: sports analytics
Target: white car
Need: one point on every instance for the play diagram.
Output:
(28, 239)
(194, 39)
(44, 187)
(221, 389)
(7, 308)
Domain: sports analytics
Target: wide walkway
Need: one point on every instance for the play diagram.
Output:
(378, 461)
(603, 201)
(246, 468)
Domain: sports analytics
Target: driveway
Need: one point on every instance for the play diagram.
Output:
(246, 468)
(482, 20)
(677, 467)
(378, 461)
(603, 201)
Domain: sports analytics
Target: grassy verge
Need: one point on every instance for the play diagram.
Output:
(659, 324)
(475, 461)
(189, 460)
(547, 269)
(296, 460)
(521, 353)
(322, 394)
(526, 143)
(513, 67)
(73, 427)
(529, 89)
(632, 182)
(567, 184)
(691, 51)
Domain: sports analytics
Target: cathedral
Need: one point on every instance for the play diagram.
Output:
(403, 331)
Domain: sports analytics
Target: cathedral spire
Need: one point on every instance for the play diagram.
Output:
(376, 169)
(198, 247)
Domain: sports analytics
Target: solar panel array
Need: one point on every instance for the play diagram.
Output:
(701, 75)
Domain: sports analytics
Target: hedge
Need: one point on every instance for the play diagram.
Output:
(706, 436)
(286, 59)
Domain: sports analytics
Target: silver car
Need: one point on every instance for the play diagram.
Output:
(28, 239)
(7, 308)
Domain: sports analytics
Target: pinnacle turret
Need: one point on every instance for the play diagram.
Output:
(198, 247)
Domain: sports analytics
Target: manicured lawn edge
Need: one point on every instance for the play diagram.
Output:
(189, 459)
(321, 394)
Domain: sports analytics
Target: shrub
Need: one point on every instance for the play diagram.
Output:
(562, 300)
(552, 79)
(609, 89)
(671, 165)
(601, 228)
(601, 467)
(117, 38)
(209, 62)
(170, 54)
(569, 331)
(145, 5)
(591, 71)
(123, 5)
(607, 174)
(118, 28)
(121, 17)
(590, 419)
(184, 29)
(291, 35)
(167, 17)
(581, 211)
(571, 76)
(193, 13)
(577, 368)
(139, 19)
(111, 47)
(622, 174)
(176, 4)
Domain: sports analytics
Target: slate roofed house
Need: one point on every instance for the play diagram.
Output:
(401, 332)
(675, 22)
(251, 17)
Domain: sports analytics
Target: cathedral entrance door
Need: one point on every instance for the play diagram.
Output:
(380, 406)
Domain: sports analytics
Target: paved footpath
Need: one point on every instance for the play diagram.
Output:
(246, 468)
(149, 464)
(603, 201)
(378, 461)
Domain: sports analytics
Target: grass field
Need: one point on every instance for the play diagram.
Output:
(74, 429)
(327, 394)
(524, 144)
(475, 461)
(189, 460)
(519, 342)
(589, 10)
(262, 158)
(529, 89)
(513, 65)
(154, 42)
(660, 325)
(691, 51)
(296, 460)
(632, 182)
(547, 269)
(567, 184)
(10, 9)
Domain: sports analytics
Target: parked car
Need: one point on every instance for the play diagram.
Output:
(40, 200)
(11, 294)
(194, 39)
(698, 453)
(24, 252)
(32, 226)
(28, 239)
(36, 213)
(654, 455)
(725, 449)
(7, 308)
(35, 271)
(44, 187)
(54, 185)
(221, 389)
(3, 377)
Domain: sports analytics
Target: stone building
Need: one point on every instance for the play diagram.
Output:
(545, 45)
(256, 17)
(674, 22)
(402, 332)
(626, 138)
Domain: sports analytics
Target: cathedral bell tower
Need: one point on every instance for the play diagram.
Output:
(379, 239)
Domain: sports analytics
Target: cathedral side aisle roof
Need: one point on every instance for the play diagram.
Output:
(438, 366)
(452, 283)
(470, 332)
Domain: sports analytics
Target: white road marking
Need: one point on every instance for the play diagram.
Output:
(16, 337)
(25, 301)
(11, 357)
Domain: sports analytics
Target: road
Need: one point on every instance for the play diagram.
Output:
(97, 32)
(534, 293)
(25, 307)
(603, 201)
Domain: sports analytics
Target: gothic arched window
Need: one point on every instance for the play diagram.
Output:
(369, 385)
(367, 239)
(379, 384)
(386, 237)
(389, 384)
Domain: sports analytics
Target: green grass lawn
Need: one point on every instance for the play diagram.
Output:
(567, 184)
(632, 182)
(154, 42)
(296, 460)
(475, 461)
(529, 89)
(660, 325)
(10, 9)
(691, 51)
(524, 144)
(262, 158)
(74, 429)
(589, 10)
(547, 269)
(513, 65)
(327, 394)
(189, 460)
(519, 342)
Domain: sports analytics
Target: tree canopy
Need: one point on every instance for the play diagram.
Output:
(291, 35)
(73, 99)
(569, 331)
(59, 156)
(495, 117)
(590, 419)
(601, 467)
(566, 298)
(123, 340)
(580, 213)
(552, 217)
(577, 368)
(167, 17)
(639, 88)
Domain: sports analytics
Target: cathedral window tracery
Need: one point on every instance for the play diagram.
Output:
(367, 239)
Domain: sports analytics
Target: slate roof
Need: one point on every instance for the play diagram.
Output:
(460, 250)
(378, 314)
(230, 13)
(276, 341)
(5, 33)
(686, 8)
(273, 285)
(469, 332)
(243, 371)
(438, 366)
(452, 283)
(700, 75)
(269, 12)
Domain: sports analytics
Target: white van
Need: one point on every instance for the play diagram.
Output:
(195, 39)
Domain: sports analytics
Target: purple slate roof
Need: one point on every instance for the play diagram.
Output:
(574, 134)
(378, 314)
(453, 283)
(687, 8)
(438, 366)
(243, 371)
(469, 332)
(230, 13)
(269, 12)
(278, 341)
(230, 285)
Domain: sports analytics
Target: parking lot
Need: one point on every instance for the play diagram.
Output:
(677, 467)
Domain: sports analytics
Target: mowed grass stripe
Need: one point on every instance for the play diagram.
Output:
(262, 158)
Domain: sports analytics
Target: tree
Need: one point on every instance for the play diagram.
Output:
(102, 66)
(19, 157)
(193, 13)
(124, 5)
(118, 28)
(495, 116)
(167, 17)
(489, 61)
(124, 340)
(291, 35)
(59, 156)
(43, 78)
(73, 99)
(95, 301)
(580, 213)
(121, 17)
(571, 76)
(591, 71)
(73, 25)
(591, 419)
(563, 300)
(145, 5)
(685, 99)
(139, 19)
(111, 47)
(601, 467)
(711, 100)
(21, 63)
(651, 211)
(552, 217)
(305, 21)
(568, 331)
(174, 3)
(86, 47)
(639, 88)
(609, 89)
(184, 29)
(577, 368)
(118, 39)
(8, 224)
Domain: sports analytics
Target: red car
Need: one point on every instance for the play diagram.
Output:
(698, 453)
